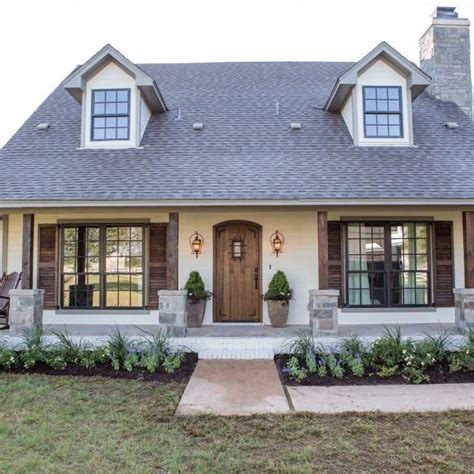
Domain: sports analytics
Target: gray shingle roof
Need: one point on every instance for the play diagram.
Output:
(246, 150)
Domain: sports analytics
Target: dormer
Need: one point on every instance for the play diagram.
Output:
(117, 99)
(375, 95)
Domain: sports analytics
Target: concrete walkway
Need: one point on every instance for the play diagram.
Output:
(233, 387)
(383, 398)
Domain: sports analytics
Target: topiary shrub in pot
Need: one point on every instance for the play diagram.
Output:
(197, 297)
(278, 298)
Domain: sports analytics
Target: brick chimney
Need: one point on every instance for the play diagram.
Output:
(445, 54)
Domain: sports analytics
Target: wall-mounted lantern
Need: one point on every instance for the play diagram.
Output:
(196, 241)
(277, 240)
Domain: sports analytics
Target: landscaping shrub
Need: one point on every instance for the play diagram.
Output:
(279, 288)
(389, 355)
(196, 288)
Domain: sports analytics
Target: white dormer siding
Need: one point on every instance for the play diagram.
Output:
(380, 73)
(347, 114)
(112, 76)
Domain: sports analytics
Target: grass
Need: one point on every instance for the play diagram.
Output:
(91, 424)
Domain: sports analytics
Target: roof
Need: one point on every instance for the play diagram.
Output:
(246, 150)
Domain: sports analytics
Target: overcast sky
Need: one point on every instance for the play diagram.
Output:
(43, 40)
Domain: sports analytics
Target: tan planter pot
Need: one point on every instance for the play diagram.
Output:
(278, 312)
(196, 311)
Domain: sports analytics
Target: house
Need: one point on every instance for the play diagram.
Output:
(364, 170)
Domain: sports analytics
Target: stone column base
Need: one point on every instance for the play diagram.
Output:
(26, 309)
(464, 312)
(172, 312)
(323, 312)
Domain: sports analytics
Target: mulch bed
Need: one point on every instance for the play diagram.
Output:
(439, 374)
(181, 375)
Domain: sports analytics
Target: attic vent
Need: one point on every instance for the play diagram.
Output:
(451, 125)
(42, 126)
(295, 126)
(198, 126)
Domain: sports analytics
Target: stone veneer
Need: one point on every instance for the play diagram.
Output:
(323, 312)
(464, 302)
(26, 309)
(445, 56)
(172, 312)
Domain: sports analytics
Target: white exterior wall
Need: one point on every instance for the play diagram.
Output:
(299, 259)
(347, 114)
(145, 115)
(111, 76)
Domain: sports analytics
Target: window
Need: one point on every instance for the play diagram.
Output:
(382, 112)
(110, 114)
(387, 264)
(102, 266)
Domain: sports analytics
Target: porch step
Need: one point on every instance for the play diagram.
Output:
(242, 353)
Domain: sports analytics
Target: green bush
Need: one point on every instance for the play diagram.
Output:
(8, 358)
(279, 288)
(196, 288)
(463, 359)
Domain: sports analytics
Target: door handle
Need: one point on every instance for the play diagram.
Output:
(256, 275)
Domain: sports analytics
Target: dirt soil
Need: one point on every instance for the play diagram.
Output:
(181, 375)
(439, 374)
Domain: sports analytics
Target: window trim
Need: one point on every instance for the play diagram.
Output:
(388, 256)
(365, 112)
(102, 274)
(105, 116)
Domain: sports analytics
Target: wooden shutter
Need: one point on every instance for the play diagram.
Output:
(157, 263)
(443, 274)
(335, 259)
(48, 265)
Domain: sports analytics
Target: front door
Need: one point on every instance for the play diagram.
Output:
(237, 272)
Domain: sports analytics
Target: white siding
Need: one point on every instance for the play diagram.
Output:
(111, 76)
(145, 115)
(381, 73)
(346, 113)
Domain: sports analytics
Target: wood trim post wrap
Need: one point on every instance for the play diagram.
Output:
(323, 274)
(336, 259)
(172, 251)
(27, 252)
(157, 262)
(443, 264)
(48, 265)
(468, 236)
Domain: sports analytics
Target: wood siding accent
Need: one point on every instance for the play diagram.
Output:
(335, 259)
(27, 251)
(468, 236)
(157, 264)
(237, 281)
(48, 265)
(172, 251)
(443, 263)
(323, 273)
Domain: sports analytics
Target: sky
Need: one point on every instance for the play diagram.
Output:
(43, 40)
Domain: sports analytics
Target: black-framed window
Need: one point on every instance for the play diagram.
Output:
(110, 114)
(383, 112)
(388, 264)
(102, 266)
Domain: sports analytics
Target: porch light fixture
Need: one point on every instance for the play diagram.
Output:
(277, 240)
(195, 241)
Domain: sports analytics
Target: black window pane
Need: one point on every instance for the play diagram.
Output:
(110, 114)
(382, 112)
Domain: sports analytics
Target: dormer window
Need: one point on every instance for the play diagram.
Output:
(382, 112)
(110, 114)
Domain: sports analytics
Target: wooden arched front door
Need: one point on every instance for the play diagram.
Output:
(237, 272)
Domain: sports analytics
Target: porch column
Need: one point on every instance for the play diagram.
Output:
(323, 246)
(26, 309)
(468, 235)
(172, 235)
(27, 251)
(464, 301)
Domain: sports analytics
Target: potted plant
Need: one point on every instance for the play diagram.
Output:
(278, 298)
(197, 297)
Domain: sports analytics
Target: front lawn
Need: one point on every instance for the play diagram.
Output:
(94, 424)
